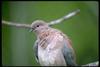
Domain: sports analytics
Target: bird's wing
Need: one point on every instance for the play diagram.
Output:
(35, 48)
(68, 53)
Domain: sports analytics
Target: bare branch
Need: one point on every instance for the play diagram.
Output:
(16, 24)
(65, 17)
(51, 23)
(92, 64)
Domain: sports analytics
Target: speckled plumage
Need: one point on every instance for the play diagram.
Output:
(52, 47)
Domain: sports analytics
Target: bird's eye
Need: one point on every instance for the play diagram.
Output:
(37, 25)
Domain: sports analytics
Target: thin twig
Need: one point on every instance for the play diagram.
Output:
(92, 64)
(51, 23)
(65, 17)
(16, 24)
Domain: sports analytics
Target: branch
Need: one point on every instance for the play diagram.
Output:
(51, 23)
(92, 64)
(16, 24)
(65, 17)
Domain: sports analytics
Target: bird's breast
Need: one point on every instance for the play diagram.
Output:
(50, 57)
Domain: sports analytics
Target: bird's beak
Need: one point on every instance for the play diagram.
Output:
(50, 25)
(30, 30)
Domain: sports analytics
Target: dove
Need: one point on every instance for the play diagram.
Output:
(52, 47)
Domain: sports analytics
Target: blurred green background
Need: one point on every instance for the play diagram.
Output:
(82, 29)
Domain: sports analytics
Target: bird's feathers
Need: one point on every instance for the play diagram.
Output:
(35, 48)
(68, 54)
(58, 50)
(52, 55)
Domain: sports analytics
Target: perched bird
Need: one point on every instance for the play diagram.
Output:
(52, 47)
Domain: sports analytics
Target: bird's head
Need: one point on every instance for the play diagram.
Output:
(39, 25)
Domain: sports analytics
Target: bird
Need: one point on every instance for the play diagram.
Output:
(52, 47)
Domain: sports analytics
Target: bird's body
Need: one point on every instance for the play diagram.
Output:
(52, 47)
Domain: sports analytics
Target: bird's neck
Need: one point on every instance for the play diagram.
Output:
(44, 33)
